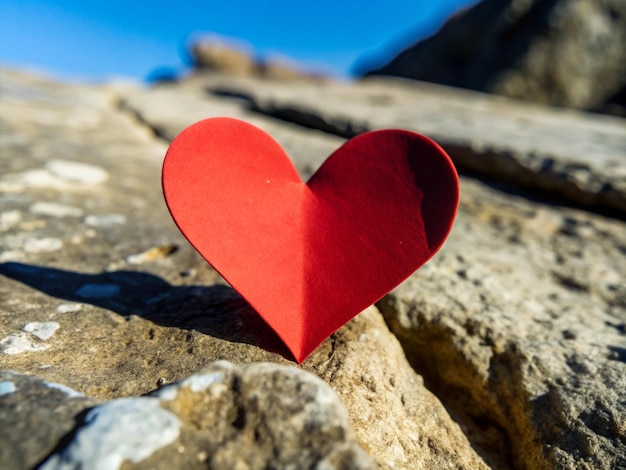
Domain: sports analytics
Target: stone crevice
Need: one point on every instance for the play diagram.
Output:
(537, 173)
(456, 383)
(121, 105)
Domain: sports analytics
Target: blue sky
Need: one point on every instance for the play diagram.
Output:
(96, 41)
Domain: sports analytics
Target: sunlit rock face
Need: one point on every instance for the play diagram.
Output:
(566, 53)
(506, 350)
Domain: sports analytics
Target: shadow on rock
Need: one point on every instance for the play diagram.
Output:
(215, 310)
(618, 354)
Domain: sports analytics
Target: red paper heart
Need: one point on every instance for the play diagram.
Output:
(309, 257)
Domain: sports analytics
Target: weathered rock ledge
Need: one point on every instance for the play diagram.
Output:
(563, 155)
(507, 350)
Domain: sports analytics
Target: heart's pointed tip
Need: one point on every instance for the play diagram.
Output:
(300, 352)
(301, 358)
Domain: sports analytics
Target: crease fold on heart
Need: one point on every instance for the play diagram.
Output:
(309, 257)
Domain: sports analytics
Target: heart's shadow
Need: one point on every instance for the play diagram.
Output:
(215, 310)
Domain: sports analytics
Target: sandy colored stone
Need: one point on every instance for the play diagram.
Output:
(34, 416)
(563, 155)
(518, 325)
(126, 329)
(396, 418)
(563, 53)
(223, 416)
(214, 56)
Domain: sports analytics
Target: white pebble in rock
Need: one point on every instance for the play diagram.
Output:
(18, 343)
(37, 178)
(69, 308)
(6, 388)
(70, 392)
(200, 382)
(41, 330)
(11, 255)
(52, 209)
(42, 245)
(98, 291)
(197, 382)
(106, 220)
(9, 219)
(78, 172)
(128, 429)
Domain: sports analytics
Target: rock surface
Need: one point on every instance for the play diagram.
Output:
(136, 307)
(520, 325)
(210, 55)
(566, 156)
(223, 416)
(35, 416)
(215, 57)
(307, 148)
(514, 332)
(558, 52)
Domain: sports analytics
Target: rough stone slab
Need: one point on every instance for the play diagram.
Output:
(170, 109)
(518, 325)
(34, 416)
(569, 155)
(136, 307)
(528, 49)
(259, 416)
(542, 279)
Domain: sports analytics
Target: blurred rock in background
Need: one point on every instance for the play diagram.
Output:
(211, 55)
(569, 53)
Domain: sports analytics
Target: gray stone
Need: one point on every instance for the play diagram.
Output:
(259, 416)
(213, 55)
(558, 52)
(124, 430)
(307, 148)
(172, 313)
(34, 417)
(518, 325)
(564, 155)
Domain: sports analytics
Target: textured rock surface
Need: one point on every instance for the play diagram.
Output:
(559, 52)
(92, 249)
(223, 416)
(517, 325)
(307, 148)
(212, 55)
(520, 324)
(34, 416)
(515, 270)
(565, 155)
